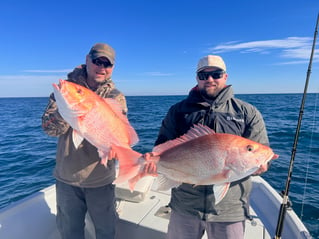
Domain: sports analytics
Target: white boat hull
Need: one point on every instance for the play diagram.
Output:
(147, 217)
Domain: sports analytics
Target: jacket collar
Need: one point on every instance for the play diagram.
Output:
(195, 97)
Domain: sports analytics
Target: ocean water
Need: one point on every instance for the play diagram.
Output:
(27, 154)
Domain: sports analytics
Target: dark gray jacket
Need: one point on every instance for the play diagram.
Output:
(226, 114)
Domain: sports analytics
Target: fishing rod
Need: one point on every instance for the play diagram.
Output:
(283, 207)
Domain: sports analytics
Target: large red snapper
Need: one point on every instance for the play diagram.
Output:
(98, 120)
(200, 157)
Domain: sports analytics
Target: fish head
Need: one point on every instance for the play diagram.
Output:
(73, 100)
(74, 95)
(247, 156)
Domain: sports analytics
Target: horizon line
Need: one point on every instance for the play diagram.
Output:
(283, 93)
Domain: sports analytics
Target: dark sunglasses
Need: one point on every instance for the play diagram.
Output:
(99, 62)
(214, 74)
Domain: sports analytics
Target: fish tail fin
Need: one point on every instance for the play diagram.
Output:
(133, 166)
(132, 182)
(129, 164)
(147, 168)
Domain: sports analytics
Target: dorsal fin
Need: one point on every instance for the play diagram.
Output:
(195, 132)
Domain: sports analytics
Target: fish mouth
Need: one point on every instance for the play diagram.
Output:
(59, 85)
(270, 158)
(56, 86)
(273, 156)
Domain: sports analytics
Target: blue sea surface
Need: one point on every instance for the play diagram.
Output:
(27, 154)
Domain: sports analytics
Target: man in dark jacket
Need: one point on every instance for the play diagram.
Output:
(83, 184)
(211, 103)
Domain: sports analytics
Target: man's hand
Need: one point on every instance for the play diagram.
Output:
(151, 160)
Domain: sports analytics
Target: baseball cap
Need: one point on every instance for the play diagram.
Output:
(101, 49)
(211, 61)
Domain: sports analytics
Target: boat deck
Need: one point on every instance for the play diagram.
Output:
(152, 216)
(143, 214)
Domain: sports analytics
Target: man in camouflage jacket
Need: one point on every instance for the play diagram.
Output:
(83, 184)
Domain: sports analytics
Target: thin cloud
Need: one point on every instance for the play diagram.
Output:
(298, 53)
(289, 48)
(29, 77)
(48, 71)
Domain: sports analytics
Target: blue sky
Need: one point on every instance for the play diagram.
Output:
(265, 44)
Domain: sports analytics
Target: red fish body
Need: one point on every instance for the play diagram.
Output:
(98, 120)
(203, 157)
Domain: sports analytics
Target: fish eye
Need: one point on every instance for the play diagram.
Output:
(250, 148)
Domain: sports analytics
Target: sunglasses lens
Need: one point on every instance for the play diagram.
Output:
(202, 76)
(214, 74)
(99, 62)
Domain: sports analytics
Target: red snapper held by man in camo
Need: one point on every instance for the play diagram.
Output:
(100, 121)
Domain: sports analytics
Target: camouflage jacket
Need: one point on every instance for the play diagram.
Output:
(79, 167)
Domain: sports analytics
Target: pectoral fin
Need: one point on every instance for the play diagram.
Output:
(162, 183)
(77, 139)
(220, 191)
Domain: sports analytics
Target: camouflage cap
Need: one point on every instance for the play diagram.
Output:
(100, 50)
